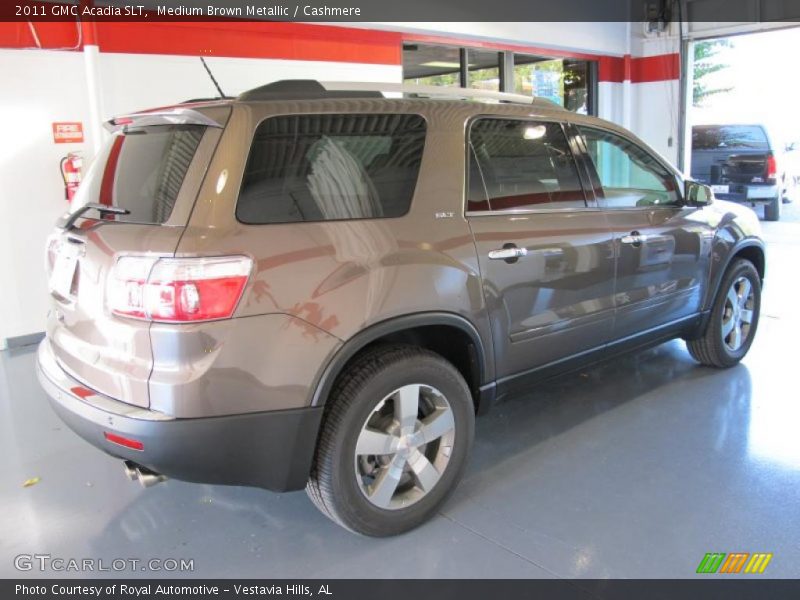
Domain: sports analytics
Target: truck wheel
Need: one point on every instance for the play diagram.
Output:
(772, 211)
(734, 318)
(394, 441)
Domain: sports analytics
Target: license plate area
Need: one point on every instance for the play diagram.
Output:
(721, 189)
(63, 275)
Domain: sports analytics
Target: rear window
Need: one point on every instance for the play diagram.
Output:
(330, 167)
(141, 170)
(729, 136)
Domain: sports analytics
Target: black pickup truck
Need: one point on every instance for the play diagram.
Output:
(740, 163)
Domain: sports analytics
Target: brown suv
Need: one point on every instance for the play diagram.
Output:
(309, 286)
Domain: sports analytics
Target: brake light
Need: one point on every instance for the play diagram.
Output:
(123, 441)
(177, 290)
(772, 167)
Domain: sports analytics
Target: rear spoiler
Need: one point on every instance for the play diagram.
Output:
(173, 116)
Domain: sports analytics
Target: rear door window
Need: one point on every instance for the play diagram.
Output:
(141, 170)
(521, 165)
(328, 167)
(729, 136)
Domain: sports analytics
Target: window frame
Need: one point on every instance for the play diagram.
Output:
(594, 176)
(583, 176)
(260, 121)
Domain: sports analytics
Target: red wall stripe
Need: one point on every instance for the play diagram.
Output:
(611, 69)
(662, 67)
(639, 69)
(243, 39)
(290, 41)
(52, 35)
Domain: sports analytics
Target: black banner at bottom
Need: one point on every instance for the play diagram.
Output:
(383, 589)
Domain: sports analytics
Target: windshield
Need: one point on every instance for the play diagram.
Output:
(729, 136)
(141, 170)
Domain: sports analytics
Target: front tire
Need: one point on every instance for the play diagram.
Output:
(732, 325)
(394, 442)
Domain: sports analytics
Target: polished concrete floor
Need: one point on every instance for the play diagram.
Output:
(634, 469)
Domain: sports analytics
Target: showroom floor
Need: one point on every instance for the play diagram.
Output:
(635, 469)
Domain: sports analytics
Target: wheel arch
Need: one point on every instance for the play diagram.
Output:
(751, 249)
(448, 334)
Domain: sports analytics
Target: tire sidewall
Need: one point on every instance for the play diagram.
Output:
(423, 369)
(741, 268)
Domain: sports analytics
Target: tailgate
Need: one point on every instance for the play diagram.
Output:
(714, 167)
(109, 354)
(729, 154)
(151, 173)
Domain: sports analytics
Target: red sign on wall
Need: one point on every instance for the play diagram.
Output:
(68, 132)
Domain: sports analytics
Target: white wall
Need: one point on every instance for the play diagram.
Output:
(40, 87)
(136, 81)
(656, 105)
(46, 86)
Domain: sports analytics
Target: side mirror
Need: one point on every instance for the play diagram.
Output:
(697, 194)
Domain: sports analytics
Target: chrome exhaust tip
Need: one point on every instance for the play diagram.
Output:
(149, 478)
(143, 475)
(130, 470)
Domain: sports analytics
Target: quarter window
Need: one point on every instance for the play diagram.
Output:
(520, 164)
(331, 167)
(626, 176)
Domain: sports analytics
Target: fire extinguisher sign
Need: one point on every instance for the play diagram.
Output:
(68, 132)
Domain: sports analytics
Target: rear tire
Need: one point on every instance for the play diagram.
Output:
(772, 211)
(394, 441)
(736, 309)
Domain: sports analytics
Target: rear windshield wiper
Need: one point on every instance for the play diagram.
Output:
(101, 208)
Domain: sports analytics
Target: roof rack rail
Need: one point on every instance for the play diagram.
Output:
(214, 99)
(430, 91)
(300, 89)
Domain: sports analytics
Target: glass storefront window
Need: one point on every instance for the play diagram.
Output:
(483, 69)
(567, 82)
(426, 64)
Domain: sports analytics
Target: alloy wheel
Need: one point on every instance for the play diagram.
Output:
(737, 315)
(404, 446)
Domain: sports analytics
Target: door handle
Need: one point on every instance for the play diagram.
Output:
(634, 238)
(509, 253)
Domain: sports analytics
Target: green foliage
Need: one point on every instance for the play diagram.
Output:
(706, 63)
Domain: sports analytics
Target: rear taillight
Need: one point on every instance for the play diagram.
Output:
(772, 167)
(177, 290)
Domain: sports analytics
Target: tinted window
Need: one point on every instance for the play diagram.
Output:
(729, 136)
(521, 165)
(142, 171)
(627, 176)
(329, 167)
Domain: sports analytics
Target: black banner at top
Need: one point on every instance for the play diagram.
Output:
(400, 10)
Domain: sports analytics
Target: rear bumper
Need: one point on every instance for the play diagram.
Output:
(750, 193)
(272, 450)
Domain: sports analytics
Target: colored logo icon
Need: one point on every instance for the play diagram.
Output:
(735, 562)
